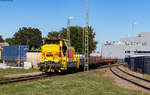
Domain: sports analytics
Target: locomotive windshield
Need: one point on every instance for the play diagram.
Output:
(51, 41)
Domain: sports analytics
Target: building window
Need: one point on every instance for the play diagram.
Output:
(144, 44)
(127, 51)
(141, 51)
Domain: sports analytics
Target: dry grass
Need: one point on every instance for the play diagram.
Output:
(91, 83)
(147, 76)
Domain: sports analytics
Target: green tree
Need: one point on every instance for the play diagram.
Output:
(27, 36)
(11, 41)
(1, 39)
(76, 37)
(53, 34)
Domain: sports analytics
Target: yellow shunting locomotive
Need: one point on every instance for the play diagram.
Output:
(58, 56)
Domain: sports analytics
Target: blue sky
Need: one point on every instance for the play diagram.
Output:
(111, 19)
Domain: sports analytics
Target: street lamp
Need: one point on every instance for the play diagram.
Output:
(68, 28)
(133, 25)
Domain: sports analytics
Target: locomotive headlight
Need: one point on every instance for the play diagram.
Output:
(56, 60)
(42, 59)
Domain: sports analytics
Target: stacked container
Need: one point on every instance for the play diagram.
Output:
(14, 54)
(139, 64)
(146, 66)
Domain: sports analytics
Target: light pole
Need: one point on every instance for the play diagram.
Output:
(86, 65)
(133, 25)
(102, 50)
(68, 28)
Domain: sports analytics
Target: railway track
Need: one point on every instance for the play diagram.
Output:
(24, 78)
(108, 66)
(40, 76)
(133, 75)
(141, 82)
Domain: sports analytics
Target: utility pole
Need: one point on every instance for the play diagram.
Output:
(83, 47)
(68, 29)
(86, 65)
(102, 50)
(133, 29)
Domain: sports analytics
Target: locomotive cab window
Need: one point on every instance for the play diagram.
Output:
(64, 47)
(51, 41)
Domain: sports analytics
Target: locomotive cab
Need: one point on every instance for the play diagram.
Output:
(57, 55)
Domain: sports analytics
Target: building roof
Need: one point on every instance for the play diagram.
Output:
(4, 44)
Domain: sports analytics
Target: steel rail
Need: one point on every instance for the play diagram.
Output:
(107, 66)
(19, 79)
(133, 75)
(13, 78)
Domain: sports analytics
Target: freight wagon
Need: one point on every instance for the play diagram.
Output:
(95, 61)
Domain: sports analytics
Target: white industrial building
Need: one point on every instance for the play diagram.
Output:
(126, 47)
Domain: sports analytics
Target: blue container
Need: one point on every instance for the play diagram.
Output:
(14, 53)
(139, 64)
